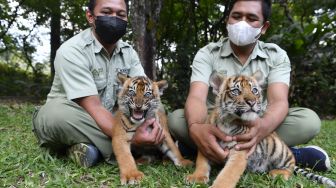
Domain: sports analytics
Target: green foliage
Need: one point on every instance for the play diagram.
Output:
(184, 27)
(15, 82)
(309, 38)
(24, 164)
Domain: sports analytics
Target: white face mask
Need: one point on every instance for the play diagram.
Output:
(242, 34)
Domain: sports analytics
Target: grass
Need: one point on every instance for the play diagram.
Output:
(24, 164)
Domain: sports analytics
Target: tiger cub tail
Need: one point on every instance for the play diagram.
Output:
(311, 176)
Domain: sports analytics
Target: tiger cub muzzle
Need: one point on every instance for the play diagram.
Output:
(138, 115)
(138, 112)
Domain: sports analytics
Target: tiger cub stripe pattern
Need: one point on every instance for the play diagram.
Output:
(239, 98)
(138, 100)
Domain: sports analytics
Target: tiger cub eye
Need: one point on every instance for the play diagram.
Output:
(131, 92)
(148, 94)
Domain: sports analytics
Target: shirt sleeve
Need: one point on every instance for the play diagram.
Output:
(202, 66)
(74, 72)
(136, 66)
(280, 72)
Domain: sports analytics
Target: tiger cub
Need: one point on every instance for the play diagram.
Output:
(138, 100)
(239, 98)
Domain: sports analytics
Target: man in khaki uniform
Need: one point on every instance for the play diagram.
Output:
(78, 113)
(242, 53)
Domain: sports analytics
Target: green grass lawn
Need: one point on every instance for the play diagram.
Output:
(24, 164)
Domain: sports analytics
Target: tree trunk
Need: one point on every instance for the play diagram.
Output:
(144, 18)
(55, 33)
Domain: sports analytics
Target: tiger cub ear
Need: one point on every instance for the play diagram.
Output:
(216, 80)
(259, 76)
(122, 78)
(162, 85)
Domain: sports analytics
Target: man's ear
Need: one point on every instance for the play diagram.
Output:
(265, 27)
(89, 17)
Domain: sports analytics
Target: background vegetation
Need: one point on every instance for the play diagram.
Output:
(177, 29)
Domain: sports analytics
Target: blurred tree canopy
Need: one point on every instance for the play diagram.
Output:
(304, 28)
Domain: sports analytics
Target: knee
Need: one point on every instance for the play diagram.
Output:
(308, 120)
(311, 121)
(55, 114)
(176, 121)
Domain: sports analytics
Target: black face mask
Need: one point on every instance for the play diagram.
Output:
(110, 28)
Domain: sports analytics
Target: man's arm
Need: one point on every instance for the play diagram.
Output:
(103, 117)
(204, 135)
(195, 107)
(277, 110)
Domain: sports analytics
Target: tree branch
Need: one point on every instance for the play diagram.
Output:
(11, 22)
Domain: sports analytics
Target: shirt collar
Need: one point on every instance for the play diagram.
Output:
(257, 51)
(226, 48)
(98, 47)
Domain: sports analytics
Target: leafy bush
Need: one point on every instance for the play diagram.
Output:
(15, 82)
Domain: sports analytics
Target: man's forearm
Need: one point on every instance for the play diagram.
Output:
(105, 121)
(101, 115)
(195, 111)
(274, 115)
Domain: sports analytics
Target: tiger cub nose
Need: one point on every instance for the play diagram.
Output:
(138, 106)
(250, 102)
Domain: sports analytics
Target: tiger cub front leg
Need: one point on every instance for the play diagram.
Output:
(169, 148)
(202, 171)
(232, 171)
(129, 174)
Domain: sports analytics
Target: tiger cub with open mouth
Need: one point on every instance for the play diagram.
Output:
(138, 100)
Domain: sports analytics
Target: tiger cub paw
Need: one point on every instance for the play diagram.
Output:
(281, 172)
(185, 162)
(131, 177)
(197, 178)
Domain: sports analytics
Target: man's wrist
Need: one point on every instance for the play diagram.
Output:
(266, 129)
(191, 124)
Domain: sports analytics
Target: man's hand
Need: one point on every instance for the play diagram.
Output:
(149, 133)
(206, 138)
(252, 138)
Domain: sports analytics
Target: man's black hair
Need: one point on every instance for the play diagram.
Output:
(92, 3)
(266, 7)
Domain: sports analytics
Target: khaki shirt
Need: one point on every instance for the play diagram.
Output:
(269, 58)
(84, 68)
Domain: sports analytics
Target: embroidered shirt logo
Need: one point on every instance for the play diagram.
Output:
(123, 71)
(223, 72)
(97, 72)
